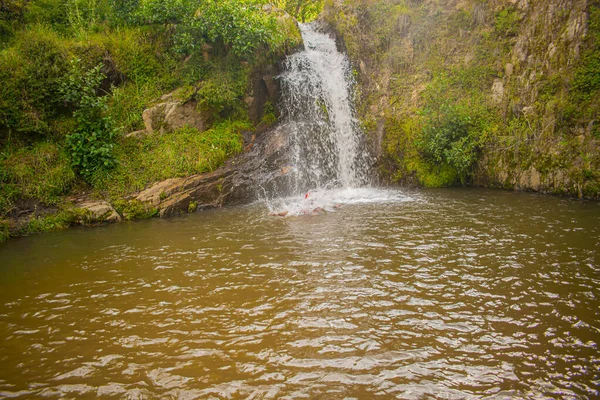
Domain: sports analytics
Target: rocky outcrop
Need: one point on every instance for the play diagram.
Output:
(518, 59)
(265, 89)
(171, 115)
(97, 211)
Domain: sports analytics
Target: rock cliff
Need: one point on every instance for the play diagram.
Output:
(500, 93)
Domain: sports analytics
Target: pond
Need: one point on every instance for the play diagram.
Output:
(448, 293)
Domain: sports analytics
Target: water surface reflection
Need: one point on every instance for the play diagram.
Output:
(451, 294)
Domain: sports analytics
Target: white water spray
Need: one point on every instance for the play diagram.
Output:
(328, 145)
(328, 148)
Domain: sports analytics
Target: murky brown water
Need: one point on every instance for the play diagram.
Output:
(450, 294)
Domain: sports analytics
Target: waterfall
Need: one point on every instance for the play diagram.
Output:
(326, 141)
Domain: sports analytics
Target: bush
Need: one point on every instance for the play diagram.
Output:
(222, 91)
(453, 135)
(231, 25)
(91, 145)
(507, 22)
(163, 12)
(302, 10)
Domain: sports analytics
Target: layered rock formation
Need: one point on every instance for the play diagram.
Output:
(528, 64)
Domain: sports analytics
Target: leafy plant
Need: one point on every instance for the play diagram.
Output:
(506, 23)
(453, 135)
(235, 26)
(164, 11)
(91, 145)
(302, 10)
(29, 74)
(134, 209)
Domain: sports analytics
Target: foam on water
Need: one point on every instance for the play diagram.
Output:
(331, 200)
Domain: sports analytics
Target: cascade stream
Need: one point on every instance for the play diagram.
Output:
(328, 151)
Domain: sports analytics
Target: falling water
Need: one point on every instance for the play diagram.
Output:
(328, 153)
(327, 143)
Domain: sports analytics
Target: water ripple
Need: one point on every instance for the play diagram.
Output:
(461, 294)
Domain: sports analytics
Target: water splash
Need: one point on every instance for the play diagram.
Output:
(319, 201)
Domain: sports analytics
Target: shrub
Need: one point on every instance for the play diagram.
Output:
(90, 146)
(453, 135)
(163, 12)
(507, 20)
(302, 10)
(231, 25)
(223, 90)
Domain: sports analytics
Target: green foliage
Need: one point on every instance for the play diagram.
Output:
(507, 22)
(53, 222)
(239, 26)
(124, 11)
(84, 15)
(137, 59)
(177, 154)
(222, 91)
(41, 172)
(269, 117)
(51, 12)
(91, 145)
(134, 209)
(455, 125)
(30, 72)
(164, 11)
(302, 10)
(452, 136)
(445, 140)
(584, 94)
(193, 206)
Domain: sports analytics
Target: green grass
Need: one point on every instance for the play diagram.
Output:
(184, 152)
(40, 172)
(61, 220)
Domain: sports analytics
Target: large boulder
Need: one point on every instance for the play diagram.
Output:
(98, 211)
(172, 115)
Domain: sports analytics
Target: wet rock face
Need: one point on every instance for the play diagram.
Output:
(263, 165)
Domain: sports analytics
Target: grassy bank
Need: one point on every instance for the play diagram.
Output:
(76, 77)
